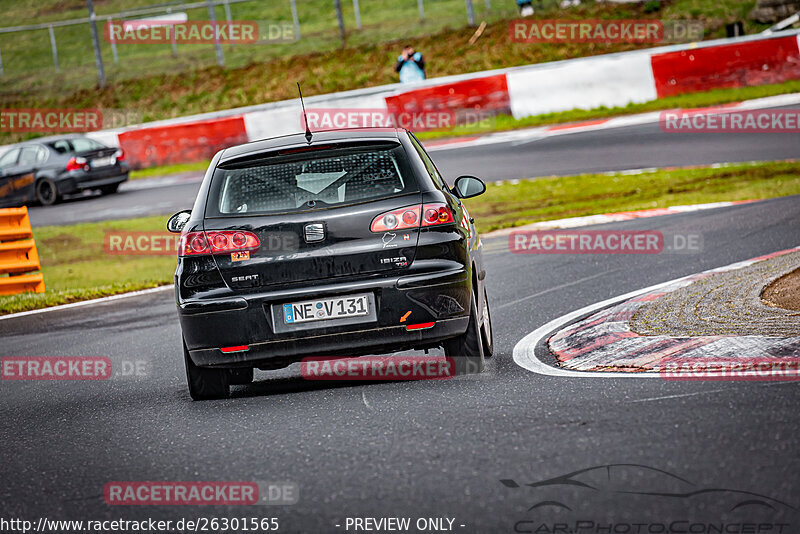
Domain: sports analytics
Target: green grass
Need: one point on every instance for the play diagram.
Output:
(28, 58)
(149, 81)
(76, 267)
(166, 170)
(687, 101)
(544, 199)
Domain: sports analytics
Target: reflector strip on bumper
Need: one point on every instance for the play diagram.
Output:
(420, 326)
(239, 348)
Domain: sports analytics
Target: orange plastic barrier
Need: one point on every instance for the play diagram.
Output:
(18, 254)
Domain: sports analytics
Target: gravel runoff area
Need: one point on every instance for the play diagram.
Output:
(784, 292)
(728, 303)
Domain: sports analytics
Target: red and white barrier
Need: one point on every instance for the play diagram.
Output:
(585, 83)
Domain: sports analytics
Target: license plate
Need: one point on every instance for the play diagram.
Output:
(323, 309)
(104, 162)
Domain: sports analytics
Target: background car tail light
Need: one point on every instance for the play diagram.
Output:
(396, 219)
(120, 155)
(217, 242)
(75, 164)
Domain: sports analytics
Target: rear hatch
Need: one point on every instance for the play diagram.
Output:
(317, 214)
(99, 157)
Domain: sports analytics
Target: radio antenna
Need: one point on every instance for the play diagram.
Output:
(305, 117)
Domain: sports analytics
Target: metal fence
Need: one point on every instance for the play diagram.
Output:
(62, 52)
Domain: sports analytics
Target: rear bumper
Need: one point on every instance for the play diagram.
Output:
(441, 298)
(74, 182)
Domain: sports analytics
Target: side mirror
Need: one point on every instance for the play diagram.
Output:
(468, 186)
(176, 223)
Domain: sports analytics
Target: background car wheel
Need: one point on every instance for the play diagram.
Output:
(109, 189)
(46, 192)
(240, 377)
(467, 349)
(487, 335)
(205, 383)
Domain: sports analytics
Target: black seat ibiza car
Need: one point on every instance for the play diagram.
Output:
(346, 244)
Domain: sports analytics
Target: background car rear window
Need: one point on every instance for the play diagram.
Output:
(315, 179)
(77, 144)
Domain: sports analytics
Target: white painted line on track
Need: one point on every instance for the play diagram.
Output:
(679, 396)
(555, 288)
(88, 302)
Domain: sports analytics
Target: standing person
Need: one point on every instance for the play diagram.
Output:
(410, 65)
(525, 7)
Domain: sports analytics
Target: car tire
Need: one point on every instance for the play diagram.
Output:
(241, 376)
(467, 349)
(47, 192)
(487, 336)
(205, 383)
(109, 189)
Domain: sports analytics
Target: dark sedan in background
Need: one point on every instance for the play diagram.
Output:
(44, 170)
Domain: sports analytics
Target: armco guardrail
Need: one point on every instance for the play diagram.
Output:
(18, 254)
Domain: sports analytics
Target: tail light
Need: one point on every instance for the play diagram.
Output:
(120, 155)
(431, 215)
(217, 242)
(396, 220)
(75, 164)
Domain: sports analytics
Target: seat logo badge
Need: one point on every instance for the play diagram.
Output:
(314, 232)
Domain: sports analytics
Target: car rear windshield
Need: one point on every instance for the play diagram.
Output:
(78, 144)
(306, 179)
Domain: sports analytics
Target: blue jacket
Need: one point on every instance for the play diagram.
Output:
(411, 69)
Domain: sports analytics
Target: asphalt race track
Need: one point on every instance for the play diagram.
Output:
(631, 147)
(419, 449)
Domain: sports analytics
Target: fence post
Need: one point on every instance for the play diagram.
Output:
(228, 17)
(470, 13)
(358, 14)
(1, 65)
(295, 19)
(340, 19)
(113, 40)
(488, 5)
(421, 8)
(98, 57)
(212, 16)
(53, 46)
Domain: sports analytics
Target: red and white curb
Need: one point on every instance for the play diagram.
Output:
(526, 135)
(601, 337)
